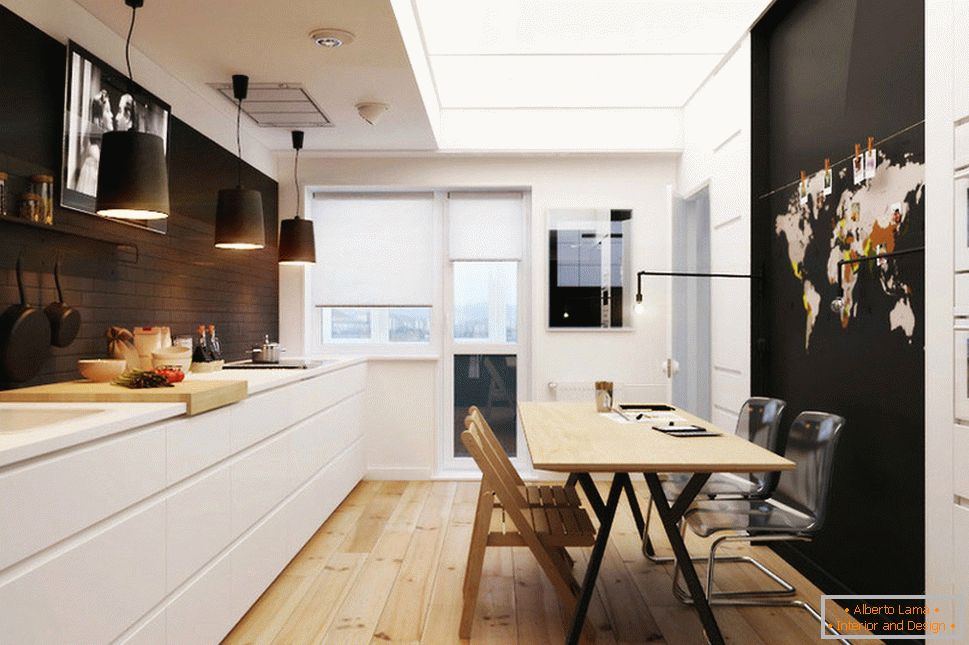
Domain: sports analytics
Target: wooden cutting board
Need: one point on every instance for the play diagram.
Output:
(198, 396)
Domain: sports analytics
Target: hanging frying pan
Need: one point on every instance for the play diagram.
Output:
(24, 338)
(65, 321)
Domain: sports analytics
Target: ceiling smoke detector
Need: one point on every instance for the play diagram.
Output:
(332, 38)
(371, 112)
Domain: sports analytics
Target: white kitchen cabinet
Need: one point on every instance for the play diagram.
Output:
(198, 442)
(961, 296)
(260, 480)
(274, 540)
(960, 237)
(91, 591)
(201, 614)
(960, 61)
(199, 525)
(320, 438)
(45, 501)
(152, 632)
(169, 533)
(960, 541)
(960, 391)
(960, 461)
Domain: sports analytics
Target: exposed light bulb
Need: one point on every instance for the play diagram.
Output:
(565, 314)
(837, 305)
(639, 308)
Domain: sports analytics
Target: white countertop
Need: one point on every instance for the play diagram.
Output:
(93, 421)
(267, 378)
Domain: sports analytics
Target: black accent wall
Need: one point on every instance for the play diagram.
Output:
(178, 279)
(826, 74)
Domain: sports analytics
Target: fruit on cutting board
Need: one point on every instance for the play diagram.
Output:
(172, 374)
(141, 379)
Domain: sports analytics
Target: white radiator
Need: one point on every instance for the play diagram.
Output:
(624, 392)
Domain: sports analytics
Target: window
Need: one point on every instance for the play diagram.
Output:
(486, 302)
(376, 249)
(376, 325)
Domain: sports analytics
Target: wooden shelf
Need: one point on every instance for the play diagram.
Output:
(130, 251)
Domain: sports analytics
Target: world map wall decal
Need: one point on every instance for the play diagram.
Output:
(879, 215)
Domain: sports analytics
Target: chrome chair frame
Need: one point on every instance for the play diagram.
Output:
(786, 588)
(822, 463)
(744, 598)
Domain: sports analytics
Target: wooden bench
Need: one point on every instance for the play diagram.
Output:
(504, 517)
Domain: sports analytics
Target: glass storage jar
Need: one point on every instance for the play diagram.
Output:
(43, 187)
(30, 207)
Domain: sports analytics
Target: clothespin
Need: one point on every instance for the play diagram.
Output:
(857, 150)
(871, 143)
(803, 177)
(827, 164)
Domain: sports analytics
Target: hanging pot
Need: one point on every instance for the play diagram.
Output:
(65, 321)
(24, 338)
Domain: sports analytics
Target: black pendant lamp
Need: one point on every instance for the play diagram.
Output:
(297, 244)
(132, 173)
(238, 217)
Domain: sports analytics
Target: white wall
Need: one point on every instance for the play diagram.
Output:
(66, 20)
(716, 125)
(639, 182)
(939, 363)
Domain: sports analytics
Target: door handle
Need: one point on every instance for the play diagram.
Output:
(670, 366)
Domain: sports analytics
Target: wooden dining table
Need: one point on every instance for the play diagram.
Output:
(573, 438)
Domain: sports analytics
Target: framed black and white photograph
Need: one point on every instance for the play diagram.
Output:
(101, 99)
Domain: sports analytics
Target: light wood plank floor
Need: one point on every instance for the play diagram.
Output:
(389, 563)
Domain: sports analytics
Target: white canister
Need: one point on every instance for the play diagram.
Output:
(147, 340)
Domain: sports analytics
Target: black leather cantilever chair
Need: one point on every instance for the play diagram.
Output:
(795, 512)
(759, 422)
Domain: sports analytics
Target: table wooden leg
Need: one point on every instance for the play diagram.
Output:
(619, 481)
(670, 516)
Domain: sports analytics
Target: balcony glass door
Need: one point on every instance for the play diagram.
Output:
(484, 354)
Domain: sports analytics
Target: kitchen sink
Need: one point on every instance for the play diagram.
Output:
(12, 420)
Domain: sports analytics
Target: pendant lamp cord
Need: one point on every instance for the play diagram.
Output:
(239, 142)
(296, 180)
(127, 50)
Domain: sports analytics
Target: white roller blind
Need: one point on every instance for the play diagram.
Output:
(485, 226)
(374, 249)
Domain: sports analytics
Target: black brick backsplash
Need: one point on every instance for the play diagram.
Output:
(179, 280)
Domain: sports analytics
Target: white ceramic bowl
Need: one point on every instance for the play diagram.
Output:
(181, 358)
(101, 370)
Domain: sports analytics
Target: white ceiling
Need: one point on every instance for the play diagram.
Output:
(577, 53)
(208, 41)
(458, 74)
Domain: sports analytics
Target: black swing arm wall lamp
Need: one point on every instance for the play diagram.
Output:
(837, 305)
(681, 274)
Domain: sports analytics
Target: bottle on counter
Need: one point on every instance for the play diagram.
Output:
(202, 353)
(214, 344)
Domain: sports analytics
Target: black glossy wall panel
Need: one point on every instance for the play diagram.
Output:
(826, 74)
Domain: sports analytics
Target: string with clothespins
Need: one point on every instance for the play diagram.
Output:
(874, 143)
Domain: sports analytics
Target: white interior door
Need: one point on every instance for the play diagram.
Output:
(688, 366)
